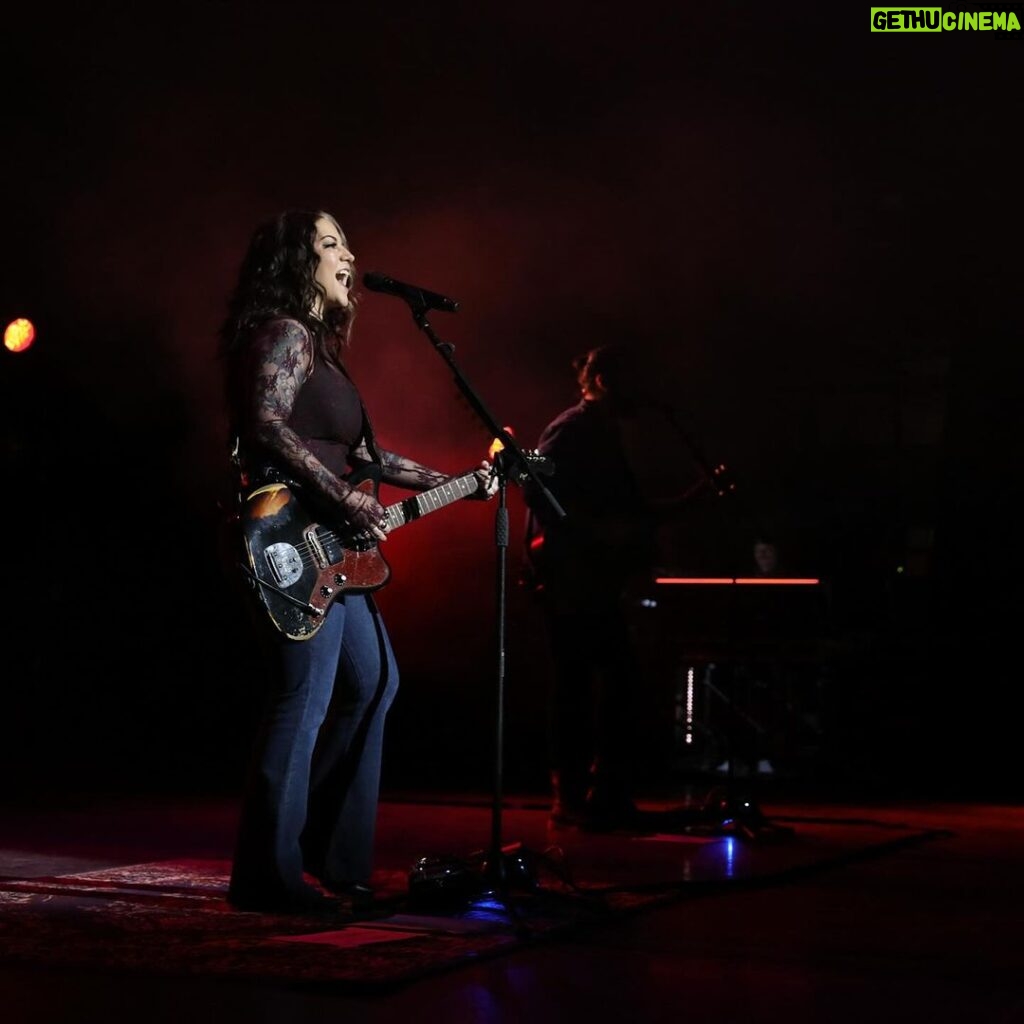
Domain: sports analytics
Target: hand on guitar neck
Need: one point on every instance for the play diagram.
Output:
(487, 482)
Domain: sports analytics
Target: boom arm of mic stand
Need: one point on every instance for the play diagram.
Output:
(514, 462)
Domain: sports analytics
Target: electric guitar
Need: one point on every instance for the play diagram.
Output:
(298, 567)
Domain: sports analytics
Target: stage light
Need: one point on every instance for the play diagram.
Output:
(497, 445)
(19, 335)
(690, 701)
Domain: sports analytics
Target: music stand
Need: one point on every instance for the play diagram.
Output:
(725, 809)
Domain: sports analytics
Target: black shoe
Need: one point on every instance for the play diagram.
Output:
(359, 896)
(305, 901)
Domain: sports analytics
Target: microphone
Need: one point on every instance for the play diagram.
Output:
(410, 292)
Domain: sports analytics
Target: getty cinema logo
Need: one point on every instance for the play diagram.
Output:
(935, 19)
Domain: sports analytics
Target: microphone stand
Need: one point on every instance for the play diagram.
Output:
(502, 866)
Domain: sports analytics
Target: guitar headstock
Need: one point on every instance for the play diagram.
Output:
(532, 457)
(541, 464)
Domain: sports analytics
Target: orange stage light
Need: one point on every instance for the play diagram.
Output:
(497, 445)
(19, 335)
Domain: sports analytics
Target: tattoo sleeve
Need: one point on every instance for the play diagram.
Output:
(405, 472)
(282, 357)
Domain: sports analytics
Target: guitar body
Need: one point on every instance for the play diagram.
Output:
(299, 566)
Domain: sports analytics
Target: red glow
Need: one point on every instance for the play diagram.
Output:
(19, 335)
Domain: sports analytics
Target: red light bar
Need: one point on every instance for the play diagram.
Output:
(692, 579)
(753, 580)
(791, 582)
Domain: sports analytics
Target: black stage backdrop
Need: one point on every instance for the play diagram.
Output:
(812, 231)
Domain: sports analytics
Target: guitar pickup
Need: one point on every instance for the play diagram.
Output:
(316, 548)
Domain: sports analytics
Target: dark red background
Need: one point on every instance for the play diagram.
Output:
(811, 230)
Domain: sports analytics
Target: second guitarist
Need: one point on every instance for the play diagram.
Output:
(579, 568)
(306, 835)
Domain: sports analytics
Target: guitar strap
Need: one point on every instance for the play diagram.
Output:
(366, 428)
(366, 434)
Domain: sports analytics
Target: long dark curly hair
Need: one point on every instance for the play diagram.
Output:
(276, 278)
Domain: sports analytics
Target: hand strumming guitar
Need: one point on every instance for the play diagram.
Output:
(365, 512)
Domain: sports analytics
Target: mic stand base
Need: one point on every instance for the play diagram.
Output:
(512, 867)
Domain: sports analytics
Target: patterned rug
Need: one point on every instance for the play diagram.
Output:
(170, 917)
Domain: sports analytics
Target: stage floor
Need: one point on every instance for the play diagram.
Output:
(113, 907)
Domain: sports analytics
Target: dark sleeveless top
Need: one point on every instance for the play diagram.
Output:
(328, 415)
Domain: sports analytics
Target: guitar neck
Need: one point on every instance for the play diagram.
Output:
(436, 498)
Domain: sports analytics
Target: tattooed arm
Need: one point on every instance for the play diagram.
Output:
(402, 471)
(282, 357)
(405, 472)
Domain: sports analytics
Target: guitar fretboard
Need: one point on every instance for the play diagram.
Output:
(436, 498)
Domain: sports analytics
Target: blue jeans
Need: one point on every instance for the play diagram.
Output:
(310, 803)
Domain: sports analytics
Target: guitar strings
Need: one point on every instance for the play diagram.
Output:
(305, 549)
